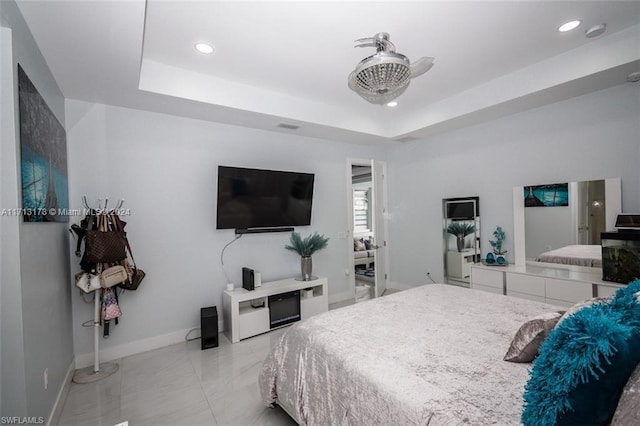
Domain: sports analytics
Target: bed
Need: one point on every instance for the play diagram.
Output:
(431, 355)
(578, 254)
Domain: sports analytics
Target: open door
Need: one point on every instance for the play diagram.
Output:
(367, 249)
(379, 225)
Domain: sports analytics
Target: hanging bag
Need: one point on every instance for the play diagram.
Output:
(110, 308)
(87, 282)
(135, 274)
(113, 276)
(104, 245)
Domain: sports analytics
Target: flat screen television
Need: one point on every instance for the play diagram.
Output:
(257, 198)
(460, 210)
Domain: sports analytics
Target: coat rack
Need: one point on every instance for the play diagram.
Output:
(97, 371)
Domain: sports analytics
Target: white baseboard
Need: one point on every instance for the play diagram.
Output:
(139, 346)
(340, 297)
(56, 411)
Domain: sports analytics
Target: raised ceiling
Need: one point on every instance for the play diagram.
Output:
(288, 62)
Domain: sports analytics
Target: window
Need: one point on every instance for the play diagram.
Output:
(362, 210)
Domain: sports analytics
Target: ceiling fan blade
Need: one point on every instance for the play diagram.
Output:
(421, 66)
(352, 81)
(366, 42)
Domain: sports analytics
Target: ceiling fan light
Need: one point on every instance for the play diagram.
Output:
(385, 75)
(381, 78)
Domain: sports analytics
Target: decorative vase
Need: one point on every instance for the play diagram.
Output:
(305, 267)
(460, 242)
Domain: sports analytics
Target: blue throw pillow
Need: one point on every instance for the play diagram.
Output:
(584, 364)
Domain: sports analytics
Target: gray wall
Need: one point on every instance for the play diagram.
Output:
(591, 137)
(36, 287)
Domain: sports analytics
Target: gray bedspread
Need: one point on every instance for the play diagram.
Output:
(431, 355)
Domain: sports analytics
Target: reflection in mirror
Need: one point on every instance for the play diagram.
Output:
(363, 238)
(570, 233)
(461, 238)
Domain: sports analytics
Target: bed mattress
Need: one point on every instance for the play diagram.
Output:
(430, 355)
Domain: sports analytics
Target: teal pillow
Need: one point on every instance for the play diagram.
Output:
(584, 364)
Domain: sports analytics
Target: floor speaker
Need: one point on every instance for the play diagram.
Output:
(209, 327)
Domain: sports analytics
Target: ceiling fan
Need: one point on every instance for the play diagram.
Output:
(385, 75)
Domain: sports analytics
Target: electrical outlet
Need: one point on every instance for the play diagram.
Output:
(46, 378)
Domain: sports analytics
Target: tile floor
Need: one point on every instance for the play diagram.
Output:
(182, 385)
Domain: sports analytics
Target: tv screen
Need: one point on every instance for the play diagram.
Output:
(461, 210)
(256, 198)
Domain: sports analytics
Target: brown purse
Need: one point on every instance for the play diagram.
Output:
(104, 245)
(135, 274)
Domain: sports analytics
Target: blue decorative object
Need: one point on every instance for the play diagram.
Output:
(584, 364)
(490, 259)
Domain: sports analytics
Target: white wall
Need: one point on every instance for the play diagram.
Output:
(165, 167)
(591, 137)
(36, 302)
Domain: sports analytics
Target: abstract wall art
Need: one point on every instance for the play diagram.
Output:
(43, 145)
(551, 195)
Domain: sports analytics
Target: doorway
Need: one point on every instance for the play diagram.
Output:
(367, 244)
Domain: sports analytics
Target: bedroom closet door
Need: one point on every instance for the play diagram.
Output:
(379, 228)
(367, 225)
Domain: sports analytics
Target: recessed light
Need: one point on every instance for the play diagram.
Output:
(204, 48)
(568, 26)
(392, 104)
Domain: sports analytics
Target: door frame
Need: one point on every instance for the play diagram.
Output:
(380, 240)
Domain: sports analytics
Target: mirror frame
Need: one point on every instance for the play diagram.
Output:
(613, 206)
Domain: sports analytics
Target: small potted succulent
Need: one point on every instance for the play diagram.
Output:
(305, 247)
(461, 230)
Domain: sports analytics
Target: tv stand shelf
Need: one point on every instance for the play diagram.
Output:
(242, 320)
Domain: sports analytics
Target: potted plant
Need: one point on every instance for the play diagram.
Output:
(461, 230)
(305, 247)
(498, 251)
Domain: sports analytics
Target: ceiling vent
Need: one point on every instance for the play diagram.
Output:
(288, 126)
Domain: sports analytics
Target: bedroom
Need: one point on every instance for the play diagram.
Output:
(596, 137)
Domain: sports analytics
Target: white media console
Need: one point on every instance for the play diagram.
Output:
(243, 320)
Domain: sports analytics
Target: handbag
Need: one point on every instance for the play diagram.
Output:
(87, 282)
(104, 245)
(135, 275)
(135, 278)
(110, 308)
(113, 276)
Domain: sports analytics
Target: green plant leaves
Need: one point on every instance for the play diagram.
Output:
(308, 245)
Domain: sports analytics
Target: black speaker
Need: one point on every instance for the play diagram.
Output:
(209, 327)
(248, 279)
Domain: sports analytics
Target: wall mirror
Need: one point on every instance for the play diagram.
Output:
(568, 231)
(461, 238)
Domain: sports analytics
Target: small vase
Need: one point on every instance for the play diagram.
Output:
(460, 242)
(305, 267)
